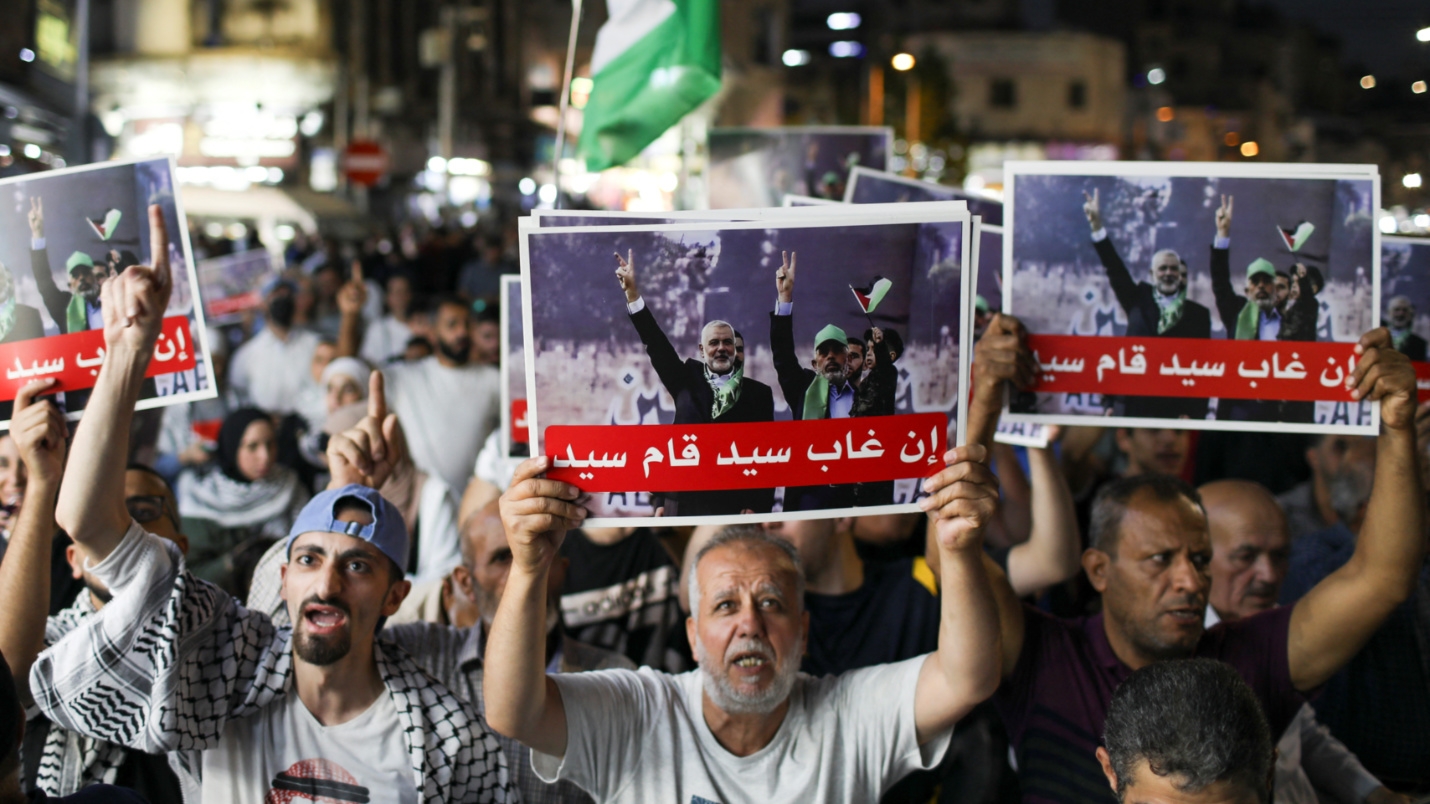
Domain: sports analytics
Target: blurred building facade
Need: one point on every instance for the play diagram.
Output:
(43, 76)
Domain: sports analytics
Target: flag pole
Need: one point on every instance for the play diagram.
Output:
(565, 96)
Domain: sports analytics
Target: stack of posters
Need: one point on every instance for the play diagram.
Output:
(63, 235)
(760, 167)
(747, 365)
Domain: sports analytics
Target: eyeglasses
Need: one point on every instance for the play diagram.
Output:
(147, 508)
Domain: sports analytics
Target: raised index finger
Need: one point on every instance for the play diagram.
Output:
(159, 245)
(376, 397)
(357, 271)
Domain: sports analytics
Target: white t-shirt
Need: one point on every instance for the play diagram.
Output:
(641, 736)
(385, 339)
(271, 373)
(446, 414)
(285, 748)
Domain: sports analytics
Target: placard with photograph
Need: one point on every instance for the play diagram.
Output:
(758, 167)
(675, 385)
(232, 285)
(1193, 295)
(867, 186)
(1405, 287)
(792, 200)
(514, 425)
(64, 234)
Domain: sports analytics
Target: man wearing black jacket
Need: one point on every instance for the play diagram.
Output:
(714, 390)
(1157, 309)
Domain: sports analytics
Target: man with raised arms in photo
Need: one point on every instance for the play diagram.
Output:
(1157, 309)
(712, 390)
(746, 725)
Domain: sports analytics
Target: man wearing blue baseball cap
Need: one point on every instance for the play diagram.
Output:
(248, 711)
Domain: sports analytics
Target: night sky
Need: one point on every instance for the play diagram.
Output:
(1379, 34)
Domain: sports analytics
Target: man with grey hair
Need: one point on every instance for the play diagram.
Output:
(747, 725)
(711, 390)
(1400, 314)
(1156, 309)
(1188, 731)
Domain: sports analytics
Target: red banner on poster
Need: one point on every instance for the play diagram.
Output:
(674, 457)
(520, 432)
(1302, 371)
(74, 359)
(1422, 380)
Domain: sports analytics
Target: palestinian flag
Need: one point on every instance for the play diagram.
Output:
(1296, 238)
(654, 62)
(870, 296)
(105, 228)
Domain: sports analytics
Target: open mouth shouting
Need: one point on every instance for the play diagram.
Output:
(323, 619)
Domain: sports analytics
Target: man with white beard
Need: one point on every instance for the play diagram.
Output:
(747, 725)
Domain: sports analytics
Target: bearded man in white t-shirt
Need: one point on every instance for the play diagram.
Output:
(747, 725)
(250, 713)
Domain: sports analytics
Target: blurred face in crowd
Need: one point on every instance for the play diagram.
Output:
(1283, 290)
(337, 589)
(454, 338)
(152, 504)
(398, 296)
(257, 450)
(486, 343)
(1349, 484)
(1261, 290)
(322, 356)
(748, 627)
(83, 282)
(855, 358)
(342, 391)
(281, 306)
(717, 344)
(831, 361)
(739, 351)
(1251, 547)
(326, 281)
(1162, 452)
(1154, 579)
(487, 562)
(1168, 273)
(12, 481)
(1401, 313)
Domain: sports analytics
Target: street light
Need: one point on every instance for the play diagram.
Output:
(1367, 82)
(843, 21)
(1418, 87)
(1411, 181)
(1423, 34)
(795, 58)
(903, 62)
(1156, 75)
(1250, 148)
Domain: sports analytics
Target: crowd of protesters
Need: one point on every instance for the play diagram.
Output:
(326, 584)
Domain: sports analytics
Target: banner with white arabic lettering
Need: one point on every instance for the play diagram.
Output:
(63, 234)
(747, 456)
(1193, 368)
(74, 360)
(1196, 273)
(702, 323)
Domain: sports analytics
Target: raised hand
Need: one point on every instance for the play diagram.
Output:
(1385, 375)
(1092, 208)
(38, 428)
(372, 450)
(784, 277)
(962, 498)
(134, 302)
(37, 217)
(352, 296)
(537, 512)
(626, 274)
(1002, 355)
(1223, 217)
(876, 335)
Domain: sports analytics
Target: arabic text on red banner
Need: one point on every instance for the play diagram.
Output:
(661, 457)
(74, 359)
(1193, 367)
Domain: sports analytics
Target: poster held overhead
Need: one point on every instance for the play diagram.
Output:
(1193, 295)
(68, 232)
(759, 167)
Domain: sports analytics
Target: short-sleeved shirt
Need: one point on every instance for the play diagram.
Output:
(1055, 702)
(641, 737)
(892, 616)
(624, 597)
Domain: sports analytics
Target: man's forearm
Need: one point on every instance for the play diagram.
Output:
(969, 635)
(91, 501)
(24, 589)
(518, 700)
(349, 335)
(1391, 544)
(984, 410)
(1051, 554)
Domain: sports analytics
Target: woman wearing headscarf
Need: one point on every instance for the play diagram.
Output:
(249, 500)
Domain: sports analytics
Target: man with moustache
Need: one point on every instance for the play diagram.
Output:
(447, 402)
(747, 725)
(712, 390)
(1148, 558)
(249, 712)
(1250, 549)
(1400, 314)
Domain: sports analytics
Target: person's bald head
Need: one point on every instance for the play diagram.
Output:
(486, 559)
(1250, 547)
